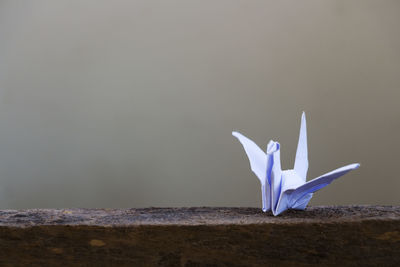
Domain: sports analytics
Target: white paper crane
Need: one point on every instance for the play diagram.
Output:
(282, 190)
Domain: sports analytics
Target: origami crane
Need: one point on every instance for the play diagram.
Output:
(282, 190)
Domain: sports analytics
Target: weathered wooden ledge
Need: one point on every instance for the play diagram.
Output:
(328, 236)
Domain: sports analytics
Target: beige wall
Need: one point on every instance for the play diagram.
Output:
(132, 103)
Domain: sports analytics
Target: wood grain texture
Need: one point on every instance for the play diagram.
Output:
(328, 236)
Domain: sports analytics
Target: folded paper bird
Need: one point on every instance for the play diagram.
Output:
(282, 190)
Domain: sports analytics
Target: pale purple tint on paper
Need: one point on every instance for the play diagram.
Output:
(282, 190)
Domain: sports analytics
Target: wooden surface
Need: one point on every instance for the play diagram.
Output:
(328, 236)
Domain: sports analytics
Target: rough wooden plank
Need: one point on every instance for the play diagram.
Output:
(329, 236)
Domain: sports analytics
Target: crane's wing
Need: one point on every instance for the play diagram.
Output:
(301, 161)
(257, 157)
(318, 183)
(258, 164)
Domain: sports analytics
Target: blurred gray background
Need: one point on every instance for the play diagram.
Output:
(132, 103)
